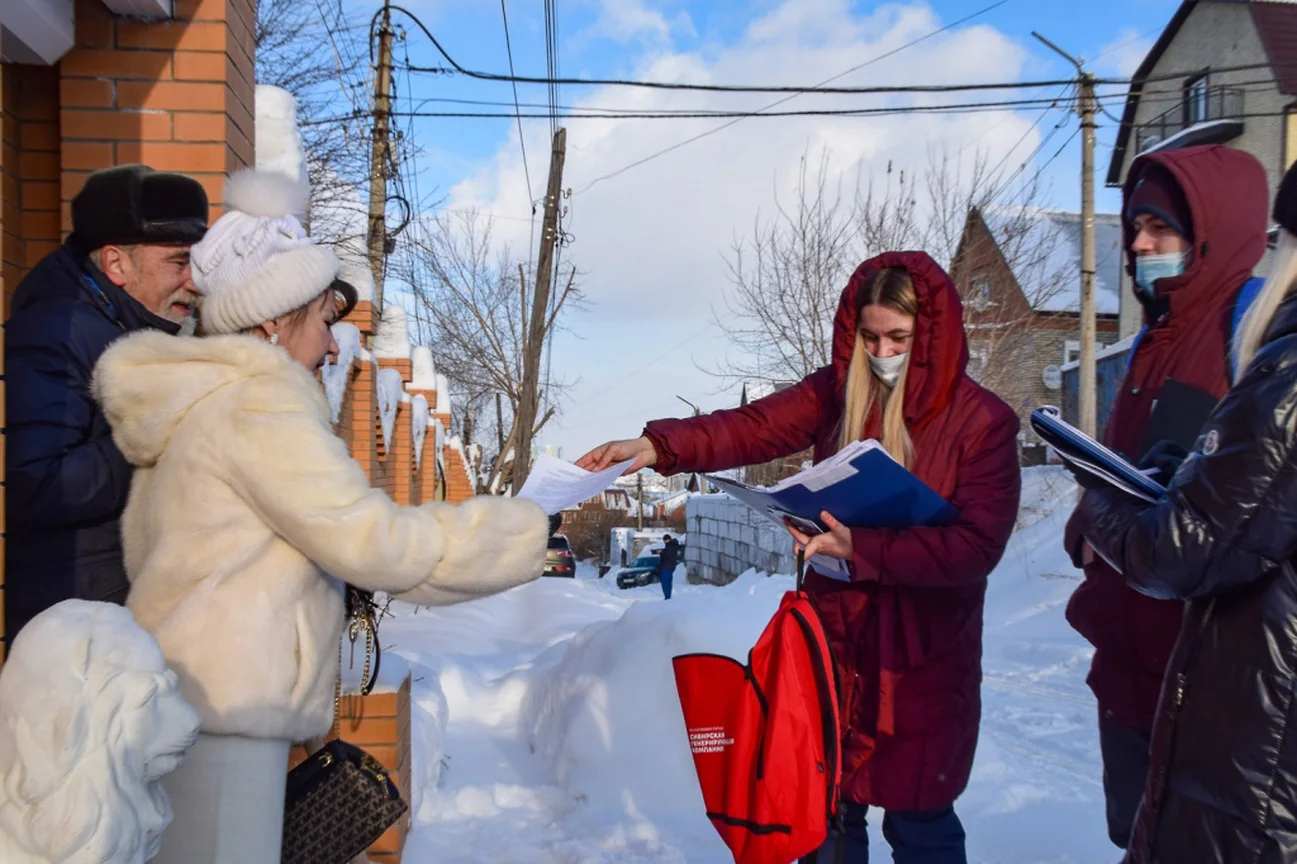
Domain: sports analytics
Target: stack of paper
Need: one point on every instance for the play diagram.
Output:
(557, 485)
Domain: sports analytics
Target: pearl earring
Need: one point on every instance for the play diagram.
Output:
(274, 338)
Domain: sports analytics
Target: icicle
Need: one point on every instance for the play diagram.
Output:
(418, 427)
(334, 375)
(389, 398)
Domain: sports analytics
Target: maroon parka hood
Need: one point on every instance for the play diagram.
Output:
(1229, 224)
(938, 350)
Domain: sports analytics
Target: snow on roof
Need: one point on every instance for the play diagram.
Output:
(424, 373)
(443, 395)
(279, 144)
(356, 272)
(392, 341)
(1044, 247)
(1120, 347)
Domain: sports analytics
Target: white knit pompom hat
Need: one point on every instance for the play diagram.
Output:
(256, 263)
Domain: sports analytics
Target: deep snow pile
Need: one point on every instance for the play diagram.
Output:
(549, 730)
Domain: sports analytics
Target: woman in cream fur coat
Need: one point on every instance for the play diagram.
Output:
(247, 514)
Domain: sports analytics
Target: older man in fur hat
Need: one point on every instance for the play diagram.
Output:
(125, 267)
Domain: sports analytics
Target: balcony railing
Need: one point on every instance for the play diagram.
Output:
(1197, 108)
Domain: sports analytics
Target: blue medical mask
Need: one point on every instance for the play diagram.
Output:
(1150, 268)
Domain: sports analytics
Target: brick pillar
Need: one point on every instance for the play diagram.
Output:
(380, 725)
(175, 94)
(459, 486)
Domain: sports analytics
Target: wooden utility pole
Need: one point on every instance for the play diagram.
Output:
(1087, 400)
(639, 493)
(529, 398)
(380, 157)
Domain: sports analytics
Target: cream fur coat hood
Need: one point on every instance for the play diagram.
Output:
(244, 501)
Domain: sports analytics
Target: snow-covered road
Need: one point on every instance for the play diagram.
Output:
(548, 730)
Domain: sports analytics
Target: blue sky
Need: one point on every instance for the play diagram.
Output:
(651, 240)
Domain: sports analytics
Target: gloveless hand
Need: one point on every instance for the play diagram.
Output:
(835, 544)
(606, 455)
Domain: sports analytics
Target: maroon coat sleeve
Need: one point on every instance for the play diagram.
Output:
(987, 487)
(781, 424)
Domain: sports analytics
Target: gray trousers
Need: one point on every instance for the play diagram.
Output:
(228, 801)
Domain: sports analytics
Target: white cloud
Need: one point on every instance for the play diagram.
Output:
(1123, 54)
(626, 21)
(653, 238)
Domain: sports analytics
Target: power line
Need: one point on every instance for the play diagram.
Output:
(522, 141)
(779, 102)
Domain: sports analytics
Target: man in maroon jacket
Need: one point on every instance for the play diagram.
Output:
(1195, 224)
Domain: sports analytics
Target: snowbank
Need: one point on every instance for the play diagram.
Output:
(550, 730)
(605, 717)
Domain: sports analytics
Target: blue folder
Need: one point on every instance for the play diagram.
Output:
(879, 494)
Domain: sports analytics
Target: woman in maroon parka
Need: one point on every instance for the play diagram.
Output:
(906, 630)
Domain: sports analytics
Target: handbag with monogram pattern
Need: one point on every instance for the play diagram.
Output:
(341, 800)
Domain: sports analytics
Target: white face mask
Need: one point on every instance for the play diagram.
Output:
(888, 369)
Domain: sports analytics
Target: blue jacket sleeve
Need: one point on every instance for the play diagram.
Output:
(61, 471)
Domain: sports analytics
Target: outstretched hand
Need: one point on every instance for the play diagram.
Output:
(835, 544)
(607, 455)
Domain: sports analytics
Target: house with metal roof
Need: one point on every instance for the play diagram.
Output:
(1222, 72)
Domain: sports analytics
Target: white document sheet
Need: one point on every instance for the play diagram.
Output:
(556, 485)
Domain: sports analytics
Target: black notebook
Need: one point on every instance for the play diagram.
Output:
(1178, 415)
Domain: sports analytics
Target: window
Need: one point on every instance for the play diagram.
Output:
(1071, 351)
(979, 293)
(1197, 108)
(979, 356)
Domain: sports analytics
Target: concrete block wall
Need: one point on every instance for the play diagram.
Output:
(727, 538)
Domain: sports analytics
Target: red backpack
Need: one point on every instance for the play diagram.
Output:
(765, 737)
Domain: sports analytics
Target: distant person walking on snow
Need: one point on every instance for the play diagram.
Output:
(906, 629)
(1224, 538)
(247, 513)
(1194, 229)
(667, 562)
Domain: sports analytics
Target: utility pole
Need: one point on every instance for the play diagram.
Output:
(1085, 108)
(639, 493)
(533, 347)
(380, 155)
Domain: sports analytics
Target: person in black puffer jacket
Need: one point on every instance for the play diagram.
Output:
(1222, 783)
(124, 268)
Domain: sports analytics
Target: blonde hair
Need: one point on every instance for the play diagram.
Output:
(1278, 285)
(894, 289)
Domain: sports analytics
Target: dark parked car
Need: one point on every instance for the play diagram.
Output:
(558, 558)
(642, 571)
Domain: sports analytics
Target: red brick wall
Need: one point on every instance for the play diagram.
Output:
(176, 95)
(31, 177)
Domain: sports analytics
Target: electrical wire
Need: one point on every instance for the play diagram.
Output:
(522, 141)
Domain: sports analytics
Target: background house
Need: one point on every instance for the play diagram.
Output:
(1019, 274)
(1223, 71)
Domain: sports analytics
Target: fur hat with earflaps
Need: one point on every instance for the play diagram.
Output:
(256, 263)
